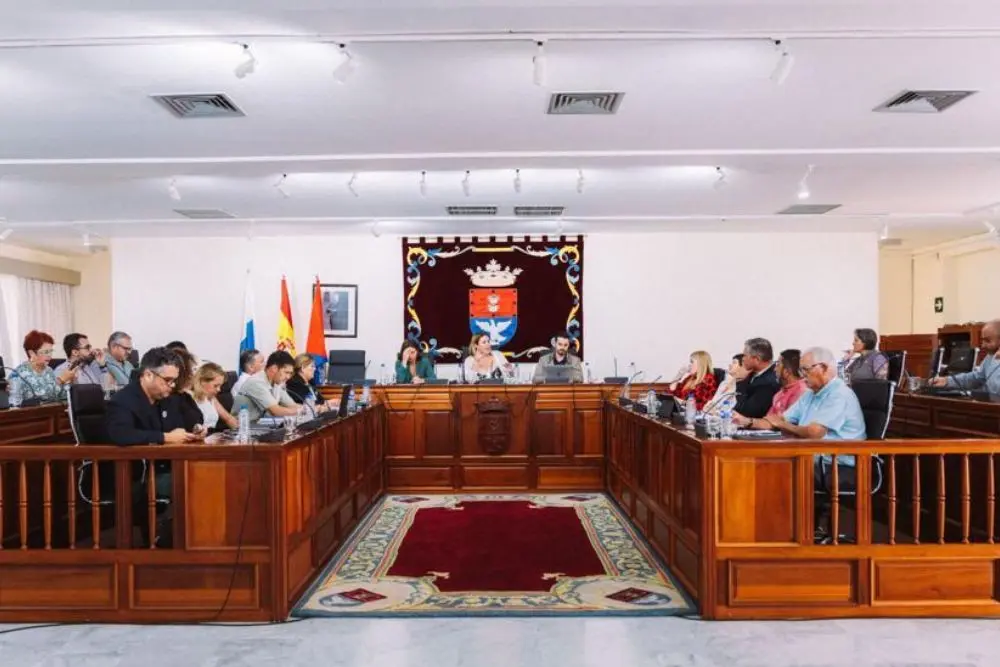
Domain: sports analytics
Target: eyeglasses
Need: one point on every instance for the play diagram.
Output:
(45, 353)
(170, 381)
(804, 370)
(84, 347)
(124, 347)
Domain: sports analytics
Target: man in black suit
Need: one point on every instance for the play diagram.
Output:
(757, 391)
(137, 414)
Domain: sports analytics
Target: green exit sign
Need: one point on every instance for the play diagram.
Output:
(939, 304)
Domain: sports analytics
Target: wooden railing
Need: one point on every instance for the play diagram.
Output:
(244, 532)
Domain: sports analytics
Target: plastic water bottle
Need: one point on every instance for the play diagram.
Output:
(15, 392)
(351, 403)
(726, 415)
(651, 403)
(366, 396)
(690, 410)
(311, 404)
(243, 434)
(587, 376)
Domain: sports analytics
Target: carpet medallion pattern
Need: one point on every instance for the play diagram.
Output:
(468, 555)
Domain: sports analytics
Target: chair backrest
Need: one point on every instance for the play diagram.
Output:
(720, 375)
(225, 396)
(897, 366)
(875, 397)
(961, 360)
(133, 357)
(87, 414)
(56, 363)
(3, 376)
(346, 366)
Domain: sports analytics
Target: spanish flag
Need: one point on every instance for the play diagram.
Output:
(286, 330)
(316, 341)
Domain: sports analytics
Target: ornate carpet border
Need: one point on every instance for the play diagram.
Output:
(641, 583)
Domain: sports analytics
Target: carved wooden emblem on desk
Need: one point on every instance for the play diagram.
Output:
(493, 421)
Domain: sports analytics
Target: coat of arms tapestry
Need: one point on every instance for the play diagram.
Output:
(521, 293)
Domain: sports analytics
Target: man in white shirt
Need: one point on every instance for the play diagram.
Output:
(81, 354)
(264, 394)
(251, 363)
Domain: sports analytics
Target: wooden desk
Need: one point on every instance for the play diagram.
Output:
(916, 416)
(495, 438)
(45, 423)
(251, 526)
(737, 518)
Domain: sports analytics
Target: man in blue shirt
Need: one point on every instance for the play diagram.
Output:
(987, 374)
(827, 410)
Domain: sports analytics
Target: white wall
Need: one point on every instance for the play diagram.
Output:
(895, 281)
(648, 298)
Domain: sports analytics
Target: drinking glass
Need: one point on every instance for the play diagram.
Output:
(713, 424)
(290, 423)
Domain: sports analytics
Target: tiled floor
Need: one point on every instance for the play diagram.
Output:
(565, 642)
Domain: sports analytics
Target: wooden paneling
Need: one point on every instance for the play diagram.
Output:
(58, 586)
(494, 477)
(548, 432)
(222, 494)
(41, 424)
(746, 516)
(570, 478)
(195, 587)
(774, 582)
(916, 416)
(439, 433)
(425, 477)
(918, 348)
(928, 581)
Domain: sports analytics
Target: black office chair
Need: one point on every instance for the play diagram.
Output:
(875, 398)
(897, 366)
(346, 367)
(962, 359)
(56, 363)
(133, 358)
(88, 420)
(3, 376)
(225, 396)
(720, 376)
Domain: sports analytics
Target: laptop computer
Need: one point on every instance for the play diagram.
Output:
(557, 374)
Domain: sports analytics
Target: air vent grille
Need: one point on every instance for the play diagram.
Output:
(204, 213)
(472, 210)
(584, 104)
(924, 101)
(538, 211)
(207, 105)
(809, 209)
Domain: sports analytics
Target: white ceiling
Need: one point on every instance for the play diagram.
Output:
(447, 87)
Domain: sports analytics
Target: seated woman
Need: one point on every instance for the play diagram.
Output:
(412, 367)
(483, 362)
(208, 381)
(735, 374)
(35, 379)
(699, 382)
(181, 405)
(300, 387)
(864, 361)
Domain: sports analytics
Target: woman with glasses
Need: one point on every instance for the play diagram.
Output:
(35, 379)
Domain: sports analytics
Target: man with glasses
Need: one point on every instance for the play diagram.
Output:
(137, 414)
(756, 393)
(80, 354)
(119, 347)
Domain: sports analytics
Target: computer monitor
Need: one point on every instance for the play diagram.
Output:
(345, 393)
(961, 360)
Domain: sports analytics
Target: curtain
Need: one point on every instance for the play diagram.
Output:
(32, 304)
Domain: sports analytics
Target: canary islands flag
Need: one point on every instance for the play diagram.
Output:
(286, 330)
(316, 341)
(247, 334)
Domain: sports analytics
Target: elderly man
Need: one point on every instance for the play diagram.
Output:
(559, 356)
(987, 374)
(756, 393)
(116, 359)
(251, 363)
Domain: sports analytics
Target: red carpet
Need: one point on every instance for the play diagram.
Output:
(488, 555)
(497, 546)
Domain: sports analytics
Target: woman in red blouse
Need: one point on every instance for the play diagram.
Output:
(699, 382)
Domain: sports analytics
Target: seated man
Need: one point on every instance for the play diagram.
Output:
(251, 363)
(137, 414)
(559, 357)
(987, 374)
(827, 410)
(80, 354)
(264, 393)
(792, 388)
(756, 393)
(119, 347)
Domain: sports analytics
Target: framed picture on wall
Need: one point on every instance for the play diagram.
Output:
(340, 310)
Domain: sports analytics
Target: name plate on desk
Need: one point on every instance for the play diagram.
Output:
(493, 426)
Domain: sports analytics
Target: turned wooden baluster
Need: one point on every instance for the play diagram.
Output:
(892, 498)
(47, 504)
(151, 503)
(966, 499)
(22, 503)
(991, 497)
(835, 502)
(95, 508)
(1, 506)
(940, 499)
(71, 501)
(915, 503)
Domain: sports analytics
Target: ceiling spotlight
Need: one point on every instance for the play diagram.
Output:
(539, 65)
(376, 232)
(423, 184)
(466, 185)
(720, 181)
(990, 227)
(247, 65)
(172, 190)
(580, 181)
(343, 71)
(350, 185)
(5, 234)
(280, 186)
(785, 63)
(517, 181)
(803, 192)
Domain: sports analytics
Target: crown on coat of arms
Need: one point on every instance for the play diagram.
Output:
(493, 275)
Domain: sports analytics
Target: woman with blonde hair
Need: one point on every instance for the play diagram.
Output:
(205, 388)
(483, 362)
(699, 381)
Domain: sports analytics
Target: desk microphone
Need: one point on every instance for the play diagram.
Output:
(305, 402)
(711, 406)
(616, 366)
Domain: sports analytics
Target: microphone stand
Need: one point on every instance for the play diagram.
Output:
(15, 375)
